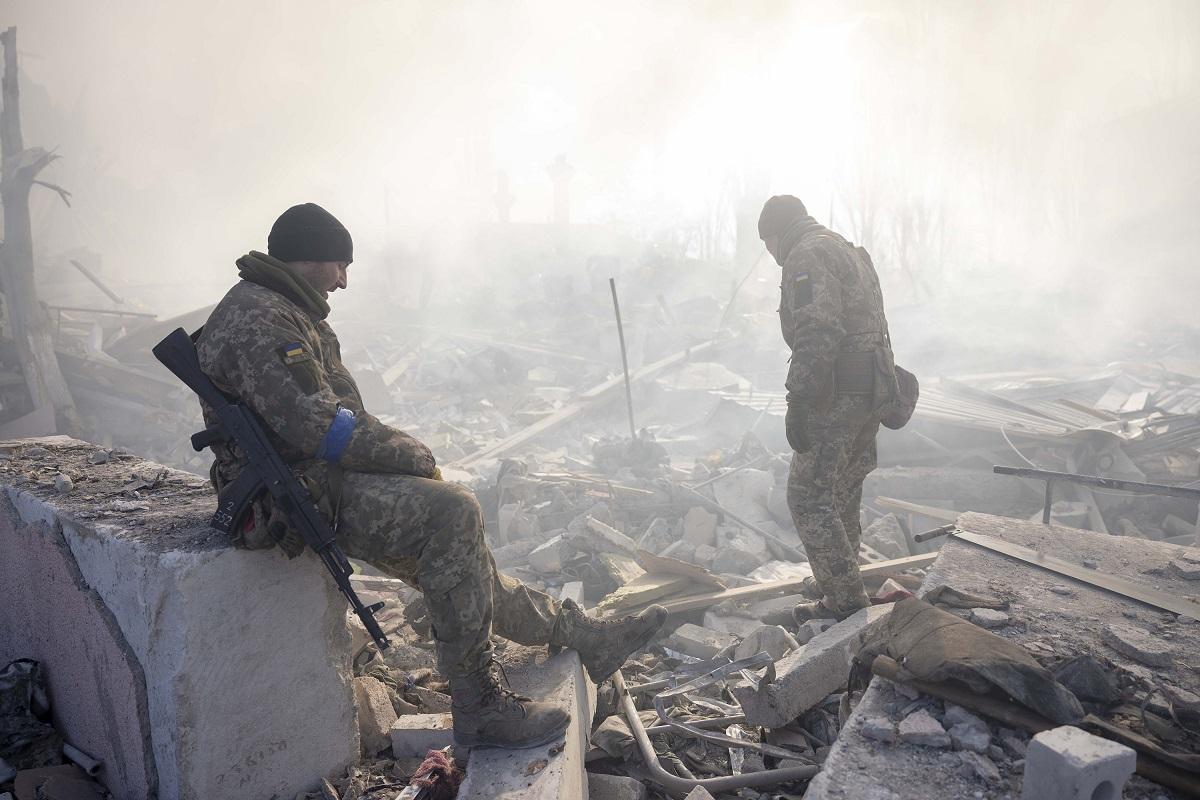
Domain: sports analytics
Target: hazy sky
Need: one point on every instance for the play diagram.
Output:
(951, 137)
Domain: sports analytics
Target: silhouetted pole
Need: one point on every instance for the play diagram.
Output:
(612, 284)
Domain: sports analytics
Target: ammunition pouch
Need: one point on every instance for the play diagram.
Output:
(898, 413)
(867, 373)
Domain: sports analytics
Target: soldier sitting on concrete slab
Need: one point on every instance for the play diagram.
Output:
(267, 344)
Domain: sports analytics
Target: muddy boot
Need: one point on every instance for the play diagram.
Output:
(488, 714)
(603, 645)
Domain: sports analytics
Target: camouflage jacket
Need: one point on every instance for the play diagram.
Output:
(266, 351)
(831, 305)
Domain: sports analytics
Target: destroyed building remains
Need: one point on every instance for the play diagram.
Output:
(560, 289)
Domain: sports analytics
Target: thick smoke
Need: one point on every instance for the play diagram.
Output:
(1023, 170)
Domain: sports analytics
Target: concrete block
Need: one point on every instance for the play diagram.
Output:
(698, 642)
(989, 618)
(812, 628)
(1138, 645)
(699, 526)
(770, 639)
(555, 771)
(975, 765)
(614, 787)
(922, 729)
(880, 729)
(414, 735)
(1071, 764)
(375, 714)
(572, 590)
(175, 616)
(810, 673)
(547, 558)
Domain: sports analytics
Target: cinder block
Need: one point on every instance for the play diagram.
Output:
(1071, 764)
(414, 735)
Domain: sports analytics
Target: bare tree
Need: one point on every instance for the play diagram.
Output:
(28, 319)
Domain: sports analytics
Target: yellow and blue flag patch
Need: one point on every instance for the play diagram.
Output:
(293, 352)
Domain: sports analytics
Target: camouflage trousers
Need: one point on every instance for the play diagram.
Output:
(824, 495)
(430, 535)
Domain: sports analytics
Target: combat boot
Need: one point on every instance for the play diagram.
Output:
(487, 713)
(603, 645)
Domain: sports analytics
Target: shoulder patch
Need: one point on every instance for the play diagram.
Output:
(294, 353)
(802, 291)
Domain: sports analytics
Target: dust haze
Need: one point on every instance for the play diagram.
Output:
(1024, 174)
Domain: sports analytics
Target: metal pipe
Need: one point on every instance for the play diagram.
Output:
(681, 786)
(1103, 483)
(81, 759)
(87, 273)
(712, 722)
(612, 284)
(945, 530)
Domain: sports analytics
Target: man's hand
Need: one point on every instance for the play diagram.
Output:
(793, 426)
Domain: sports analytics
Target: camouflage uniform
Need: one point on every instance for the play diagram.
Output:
(285, 363)
(842, 374)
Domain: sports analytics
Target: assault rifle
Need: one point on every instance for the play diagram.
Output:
(265, 471)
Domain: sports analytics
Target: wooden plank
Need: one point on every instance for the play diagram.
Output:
(711, 598)
(944, 514)
(641, 592)
(662, 565)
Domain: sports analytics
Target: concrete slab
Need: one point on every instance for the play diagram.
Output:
(615, 787)
(1048, 623)
(146, 621)
(809, 674)
(414, 735)
(552, 772)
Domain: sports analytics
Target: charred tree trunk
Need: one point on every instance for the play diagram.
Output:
(28, 319)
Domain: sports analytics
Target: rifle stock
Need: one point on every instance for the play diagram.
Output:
(265, 470)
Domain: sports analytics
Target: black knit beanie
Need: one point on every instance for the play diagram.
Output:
(778, 214)
(309, 233)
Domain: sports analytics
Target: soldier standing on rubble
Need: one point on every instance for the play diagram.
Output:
(267, 345)
(842, 381)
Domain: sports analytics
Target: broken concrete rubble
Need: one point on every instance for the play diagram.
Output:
(809, 674)
(1062, 635)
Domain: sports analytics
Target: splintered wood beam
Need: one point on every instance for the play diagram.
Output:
(678, 605)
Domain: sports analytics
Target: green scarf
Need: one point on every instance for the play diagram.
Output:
(274, 274)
